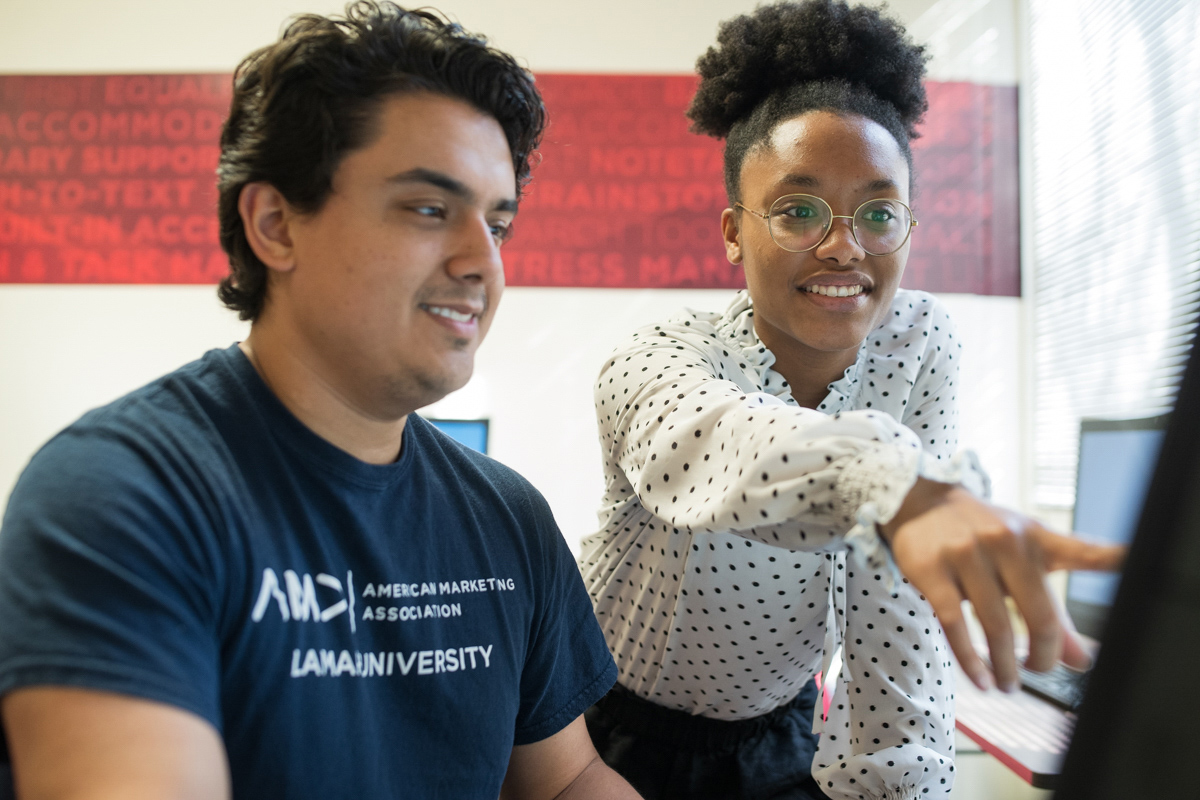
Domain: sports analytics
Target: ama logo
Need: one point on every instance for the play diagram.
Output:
(300, 603)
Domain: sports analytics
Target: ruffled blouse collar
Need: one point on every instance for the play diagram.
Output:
(736, 326)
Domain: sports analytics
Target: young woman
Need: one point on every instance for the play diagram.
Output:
(766, 464)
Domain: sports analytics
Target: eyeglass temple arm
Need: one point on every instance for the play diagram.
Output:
(752, 211)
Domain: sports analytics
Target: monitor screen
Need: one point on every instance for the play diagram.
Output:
(1116, 461)
(471, 432)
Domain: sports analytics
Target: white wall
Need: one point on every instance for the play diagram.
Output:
(64, 349)
(969, 39)
(542, 413)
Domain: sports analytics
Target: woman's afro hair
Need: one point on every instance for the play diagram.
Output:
(791, 57)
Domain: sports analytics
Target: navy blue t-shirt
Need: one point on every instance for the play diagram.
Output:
(352, 630)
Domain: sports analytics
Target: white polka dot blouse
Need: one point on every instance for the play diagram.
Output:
(738, 551)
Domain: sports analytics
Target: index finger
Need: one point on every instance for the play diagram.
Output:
(1074, 552)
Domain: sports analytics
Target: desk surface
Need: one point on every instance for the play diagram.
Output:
(1027, 734)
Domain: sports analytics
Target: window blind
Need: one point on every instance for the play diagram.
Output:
(1113, 105)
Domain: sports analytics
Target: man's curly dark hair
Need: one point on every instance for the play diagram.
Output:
(815, 55)
(303, 103)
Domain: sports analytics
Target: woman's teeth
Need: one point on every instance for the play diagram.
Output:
(835, 291)
(449, 313)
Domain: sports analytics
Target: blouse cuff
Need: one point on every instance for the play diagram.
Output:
(904, 772)
(963, 468)
(871, 488)
(885, 475)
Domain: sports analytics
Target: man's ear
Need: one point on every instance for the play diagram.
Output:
(732, 234)
(266, 217)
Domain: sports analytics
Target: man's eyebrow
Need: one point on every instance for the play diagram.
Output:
(451, 185)
(435, 178)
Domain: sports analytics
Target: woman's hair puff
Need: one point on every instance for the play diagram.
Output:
(788, 58)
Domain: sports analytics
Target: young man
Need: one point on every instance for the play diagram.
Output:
(262, 575)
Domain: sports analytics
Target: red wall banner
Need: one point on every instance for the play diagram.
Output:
(109, 179)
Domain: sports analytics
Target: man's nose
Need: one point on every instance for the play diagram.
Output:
(477, 255)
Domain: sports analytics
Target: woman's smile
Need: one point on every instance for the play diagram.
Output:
(837, 291)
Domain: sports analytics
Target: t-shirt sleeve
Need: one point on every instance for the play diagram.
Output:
(568, 666)
(105, 582)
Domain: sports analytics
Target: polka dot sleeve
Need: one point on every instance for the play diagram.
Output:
(890, 731)
(706, 450)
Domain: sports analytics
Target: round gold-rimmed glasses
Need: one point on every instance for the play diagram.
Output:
(800, 222)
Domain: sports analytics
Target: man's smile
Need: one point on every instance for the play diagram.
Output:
(450, 313)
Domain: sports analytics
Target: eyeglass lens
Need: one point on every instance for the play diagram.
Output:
(798, 222)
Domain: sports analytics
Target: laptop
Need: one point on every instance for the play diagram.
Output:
(1116, 462)
(1031, 730)
(1136, 734)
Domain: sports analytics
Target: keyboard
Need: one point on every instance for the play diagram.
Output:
(1061, 686)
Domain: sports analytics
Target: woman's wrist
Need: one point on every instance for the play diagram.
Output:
(924, 495)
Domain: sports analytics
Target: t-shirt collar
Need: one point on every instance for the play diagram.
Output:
(314, 450)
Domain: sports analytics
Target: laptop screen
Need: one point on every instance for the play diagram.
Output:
(1116, 461)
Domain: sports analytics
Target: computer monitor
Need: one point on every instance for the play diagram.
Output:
(1137, 730)
(1116, 461)
(471, 432)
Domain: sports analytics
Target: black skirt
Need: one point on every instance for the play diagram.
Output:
(670, 755)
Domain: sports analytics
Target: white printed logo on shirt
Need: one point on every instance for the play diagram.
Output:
(303, 598)
(300, 602)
